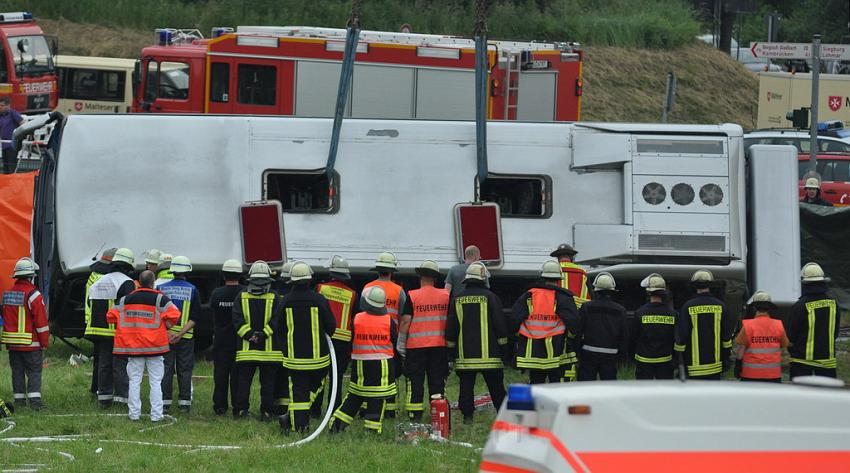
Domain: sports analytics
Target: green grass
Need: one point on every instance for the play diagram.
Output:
(628, 23)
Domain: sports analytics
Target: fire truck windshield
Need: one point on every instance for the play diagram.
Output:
(31, 55)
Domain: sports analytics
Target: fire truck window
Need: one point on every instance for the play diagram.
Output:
(4, 70)
(302, 192)
(173, 81)
(220, 82)
(92, 84)
(518, 197)
(256, 85)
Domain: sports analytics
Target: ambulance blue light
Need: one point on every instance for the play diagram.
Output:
(830, 125)
(164, 36)
(27, 15)
(520, 398)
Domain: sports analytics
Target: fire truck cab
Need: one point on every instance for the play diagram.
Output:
(27, 71)
(290, 70)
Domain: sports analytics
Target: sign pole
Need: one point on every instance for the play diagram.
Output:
(813, 124)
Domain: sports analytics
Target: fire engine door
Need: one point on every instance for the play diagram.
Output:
(169, 86)
(480, 224)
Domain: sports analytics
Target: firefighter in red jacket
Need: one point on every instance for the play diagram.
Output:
(422, 339)
(760, 343)
(343, 300)
(573, 276)
(372, 378)
(141, 320)
(26, 334)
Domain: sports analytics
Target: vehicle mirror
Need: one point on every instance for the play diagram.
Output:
(137, 75)
(54, 45)
(23, 45)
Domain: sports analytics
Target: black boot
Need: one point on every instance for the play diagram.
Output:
(338, 426)
(241, 414)
(285, 423)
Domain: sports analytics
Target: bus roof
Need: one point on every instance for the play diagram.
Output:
(95, 62)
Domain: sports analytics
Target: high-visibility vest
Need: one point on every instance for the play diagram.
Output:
(372, 337)
(247, 352)
(393, 292)
(180, 292)
(543, 320)
(93, 278)
(763, 354)
(574, 279)
(430, 311)
(341, 299)
(24, 320)
(93, 328)
(140, 323)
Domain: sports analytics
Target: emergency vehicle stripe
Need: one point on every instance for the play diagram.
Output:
(714, 461)
(556, 443)
(501, 468)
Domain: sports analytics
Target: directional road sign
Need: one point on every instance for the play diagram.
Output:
(800, 51)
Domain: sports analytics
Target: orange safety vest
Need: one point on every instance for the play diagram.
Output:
(341, 299)
(543, 320)
(372, 337)
(393, 292)
(763, 355)
(430, 310)
(574, 279)
(139, 320)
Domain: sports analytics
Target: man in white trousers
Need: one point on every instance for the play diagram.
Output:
(142, 319)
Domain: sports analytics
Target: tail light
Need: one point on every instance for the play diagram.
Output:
(579, 87)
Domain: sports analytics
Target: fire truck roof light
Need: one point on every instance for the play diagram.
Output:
(261, 41)
(442, 53)
(220, 30)
(164, 36)
(339, 46)
(16, 17)
(520, 398)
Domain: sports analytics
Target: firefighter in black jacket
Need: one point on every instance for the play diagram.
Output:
(704, 331)
(256, 318)
(654, 332)
(477, 339)
(603, 332)
(813, 327)
(542, 317)
(306, 319)
(225, 340)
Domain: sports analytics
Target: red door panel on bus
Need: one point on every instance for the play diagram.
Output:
(480, 225)
(262, 232)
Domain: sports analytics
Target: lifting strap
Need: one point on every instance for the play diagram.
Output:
(481, 66)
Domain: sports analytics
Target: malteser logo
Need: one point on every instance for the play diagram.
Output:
(773, 96)
(835, 102)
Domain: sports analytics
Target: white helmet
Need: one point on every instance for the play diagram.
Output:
(339, 266)
(260, 270)
(476, 271)
(428, 268)
(232, 266)
(654, 283)
(604, 282)
(812, 272)
(25, 267)
(181, 264)
(812, 183)
(702, 276)
(376, 297)
(286, 269)
(165, 261)
(300, 272)
(386, 261)
(124, 255)
(153, 256)
(550, 270)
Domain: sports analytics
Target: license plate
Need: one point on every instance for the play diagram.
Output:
(38, 102)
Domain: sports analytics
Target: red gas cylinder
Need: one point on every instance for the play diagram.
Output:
(440, 417)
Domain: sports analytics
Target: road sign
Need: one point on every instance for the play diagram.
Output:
(839, 52)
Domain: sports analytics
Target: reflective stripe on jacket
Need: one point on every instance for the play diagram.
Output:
(183, 294)
(139, 320)
(543, 320)
(341, 298)
(263, 351)
(763, 353)
(372, 337)
(25, 326)
(430, 312)
(574, 279)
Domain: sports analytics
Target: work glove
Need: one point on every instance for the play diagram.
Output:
(739, 365)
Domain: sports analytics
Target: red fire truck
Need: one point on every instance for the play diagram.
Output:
(27, 73)
(295, 71)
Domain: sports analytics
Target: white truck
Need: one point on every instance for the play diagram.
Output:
(632, 198)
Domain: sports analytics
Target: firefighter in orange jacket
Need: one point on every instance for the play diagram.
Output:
(422, 339)
(385, 265)
(372, 377)
(26, 334)
(342, 300)
(543, 317)
(573, 276)
(760, 343)
(141, 320)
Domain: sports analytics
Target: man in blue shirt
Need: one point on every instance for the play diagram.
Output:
(9, 120)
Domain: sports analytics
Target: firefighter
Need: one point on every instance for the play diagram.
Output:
(163, 270)
(141, 320)
(26, 334)
(306, 318)
(813, 195)
(152, 259)
(704, 331)
(654, 332)
(422, 339)
(604, 335)
(372, 378)
(225, 340)
(573, 276)
(813, 327)
(342, 300)
(181, 357)
(477, 339)
(385, 265)
(542, 317)
(281, 389)
(256, 318)
(112, 382)
(98, 269)
(760, 343)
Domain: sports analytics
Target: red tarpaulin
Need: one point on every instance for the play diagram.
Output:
(16, 198)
